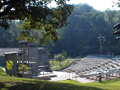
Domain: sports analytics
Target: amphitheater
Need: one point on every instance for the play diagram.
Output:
(92, 67)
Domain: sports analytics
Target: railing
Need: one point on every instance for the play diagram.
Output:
(66, 76)
(105, 73)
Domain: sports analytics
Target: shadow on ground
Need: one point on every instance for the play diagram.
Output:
(43, 85)
(2, 85)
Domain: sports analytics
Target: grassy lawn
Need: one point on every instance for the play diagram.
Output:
(14, 83)
(63, 64)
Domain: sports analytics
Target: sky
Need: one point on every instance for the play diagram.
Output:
(100, 5)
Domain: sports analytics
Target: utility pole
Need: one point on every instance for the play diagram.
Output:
(101, 41)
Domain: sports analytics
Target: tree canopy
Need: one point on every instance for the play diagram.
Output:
(36, 16)
(79, 38)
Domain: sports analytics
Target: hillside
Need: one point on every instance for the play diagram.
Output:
(14, 83)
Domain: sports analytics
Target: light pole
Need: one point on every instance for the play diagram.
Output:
(101, 40)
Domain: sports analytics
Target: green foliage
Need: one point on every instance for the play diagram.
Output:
(80, 37)
(59, 57)
(23, 68)
(8, 37)
(2, 72)
(15, 83)
(9, 64)
(64, 53)
(64, 64)
(36, 16)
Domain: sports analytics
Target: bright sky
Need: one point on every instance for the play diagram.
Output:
(101, 5)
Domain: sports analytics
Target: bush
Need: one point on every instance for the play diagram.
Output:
(23, 68)
(59, 57)
(1, 69)
(2, 72)
(9, 64)
(64, 64)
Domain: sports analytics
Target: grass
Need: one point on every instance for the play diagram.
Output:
(14, 83)
(64, 64)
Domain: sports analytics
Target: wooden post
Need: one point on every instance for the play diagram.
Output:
(36, 66)
(100, 77)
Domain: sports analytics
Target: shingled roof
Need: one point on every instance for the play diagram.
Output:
(4, 50)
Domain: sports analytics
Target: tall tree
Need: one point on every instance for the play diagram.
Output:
(80, 37)
(8, 37)
(36, 15)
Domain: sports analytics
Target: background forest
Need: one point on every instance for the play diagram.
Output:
(79, 38)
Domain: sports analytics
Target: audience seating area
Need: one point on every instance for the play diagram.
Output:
(93, 68)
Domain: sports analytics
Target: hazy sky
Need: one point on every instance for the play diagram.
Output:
(97, 4)
(101, 5)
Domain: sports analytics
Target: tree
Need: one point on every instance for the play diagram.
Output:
(36, 16)
(9, 64)
(23, 68)
(8, 37)
(59, 57)
(64, 53)
(80, 37)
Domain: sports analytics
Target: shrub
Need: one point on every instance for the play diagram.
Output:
(23, 68)
(9, 64)
(2, 72)
(1, 69)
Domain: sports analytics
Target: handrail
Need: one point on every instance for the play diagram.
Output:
(65, 77)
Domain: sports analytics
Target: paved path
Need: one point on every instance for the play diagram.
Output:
(79, 79)
(84, 80)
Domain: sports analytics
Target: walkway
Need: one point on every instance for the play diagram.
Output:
(60, 74)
